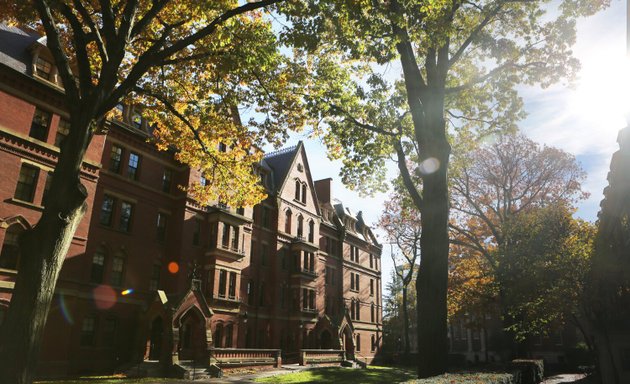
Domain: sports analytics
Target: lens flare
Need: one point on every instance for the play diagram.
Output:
(173, 267)
(104, 297)
(429, 166)
(126, 292)
(64, 309)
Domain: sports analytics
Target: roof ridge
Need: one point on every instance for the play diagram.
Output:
(280, 151)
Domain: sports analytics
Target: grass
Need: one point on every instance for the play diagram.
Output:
(340, 375)
(111, 380)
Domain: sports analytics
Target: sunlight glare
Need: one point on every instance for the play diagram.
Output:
(602, 95)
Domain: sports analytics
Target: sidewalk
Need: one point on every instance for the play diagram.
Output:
(249, 378)
(564, 378)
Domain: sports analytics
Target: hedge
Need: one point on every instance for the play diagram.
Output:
(469, 378)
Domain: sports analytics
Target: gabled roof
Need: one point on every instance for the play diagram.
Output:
(280, 163)
(14, 47)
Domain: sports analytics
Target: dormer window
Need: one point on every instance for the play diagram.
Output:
(137, 120)
(43, 68)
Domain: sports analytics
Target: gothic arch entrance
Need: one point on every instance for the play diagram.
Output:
(325, 340)
(192, 336)
(156, 339)
(348, 342)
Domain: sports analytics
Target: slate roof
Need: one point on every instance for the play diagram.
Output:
(280, 163)
(14, 44)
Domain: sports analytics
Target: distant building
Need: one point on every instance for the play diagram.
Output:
(150, 273)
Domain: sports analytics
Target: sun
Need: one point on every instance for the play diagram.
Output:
(602, 95)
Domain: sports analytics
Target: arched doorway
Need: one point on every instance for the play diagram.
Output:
(348, 342)
(325, 340)
(192, 336)
(156, 340)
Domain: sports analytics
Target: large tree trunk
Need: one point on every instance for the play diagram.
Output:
(431, 282)
(43, 250)
(406, 324)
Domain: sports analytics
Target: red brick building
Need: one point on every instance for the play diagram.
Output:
(151, 274)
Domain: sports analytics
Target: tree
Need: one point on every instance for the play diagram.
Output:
(460, 62)
(609, 283)
(394, 331)
(401, 222)
(496, 182)
(492, 186)
(543, 270)
(190, 65)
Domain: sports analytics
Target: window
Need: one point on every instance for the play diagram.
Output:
(298, 188)
(222, 282)
(222, 147)
(354, 281)
(203, 181)
(373, 344)
(167, 178)
(372, 313)
(240, 211)
(118, 268)
(88, 331)
(47, 186)
(40, 124)
(228, 335)
(133, 165)
(354, 254)
(27, 183)
(115, 158)
(371, 261)
(353, 309)
(232, 286)
(98, 266)
(287, 221)
(162, 220)
(10, 255)
(357, 315)
(311, 231)
(196, 232)
(63, 129)
(136, 119)
(235, 238)
(283, 258)
(43, 68)
(300, 228)
(154, 283)
(218, 335)
(358, 342)
(308, 299)
(304, 193)
(107, 210)
(225, 236)
(126, 211)
(371, 287)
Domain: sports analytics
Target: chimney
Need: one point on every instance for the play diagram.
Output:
(323, 189)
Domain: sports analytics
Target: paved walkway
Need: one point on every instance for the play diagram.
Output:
(564, 378)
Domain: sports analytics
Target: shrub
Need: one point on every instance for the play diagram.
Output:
(469, 378)
(532, 371)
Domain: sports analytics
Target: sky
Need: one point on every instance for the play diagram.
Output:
(583, 120)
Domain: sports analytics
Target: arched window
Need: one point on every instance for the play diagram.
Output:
(300, 228)
(311, 231)
(218, 335)
(298, 188)
(118, 269)
(304, 193)
(98, 265)
(228, 335)
(10, 255)
(287, 221)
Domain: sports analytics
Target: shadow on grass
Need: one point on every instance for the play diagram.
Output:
(344, 375)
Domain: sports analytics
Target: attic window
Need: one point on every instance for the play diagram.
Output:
(137, 120)
(300, 167)
(43, 68)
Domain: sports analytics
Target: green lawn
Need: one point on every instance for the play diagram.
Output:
(339, 375)
(110, 380)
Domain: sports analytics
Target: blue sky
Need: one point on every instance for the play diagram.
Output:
(583, 120)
